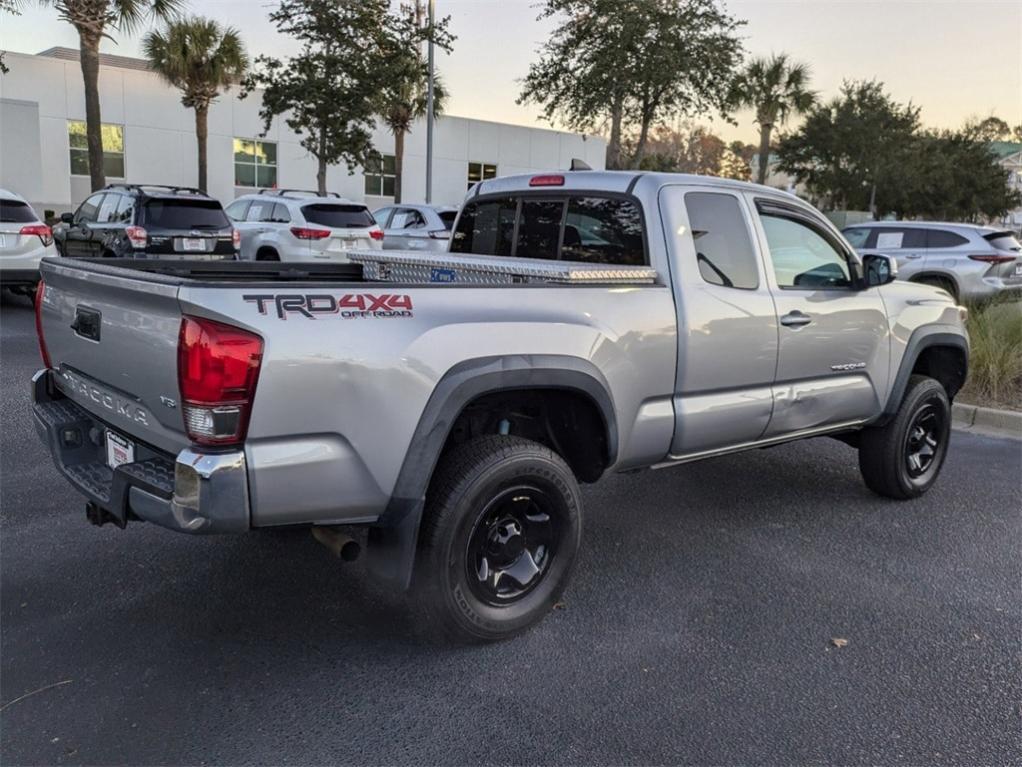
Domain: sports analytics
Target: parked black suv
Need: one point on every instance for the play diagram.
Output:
(148, 221)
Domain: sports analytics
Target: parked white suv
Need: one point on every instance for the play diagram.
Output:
(299, 225)
(416, 227)
(24, 241)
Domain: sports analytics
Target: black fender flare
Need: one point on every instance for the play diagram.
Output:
(921, 339)
(390, 555)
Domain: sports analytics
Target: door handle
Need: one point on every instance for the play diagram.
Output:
(795, 319)
(913, 255)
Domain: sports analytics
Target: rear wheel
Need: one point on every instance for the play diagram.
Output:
(267, 254)
(500, 534)
(903, 458)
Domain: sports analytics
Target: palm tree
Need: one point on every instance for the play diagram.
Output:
(200, 58)
(775, 87)
(403, 101)
(93, 19)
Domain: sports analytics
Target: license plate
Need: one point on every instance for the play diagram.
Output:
(119, 451)
(194, 244)
(338, 244)
(1018, 269)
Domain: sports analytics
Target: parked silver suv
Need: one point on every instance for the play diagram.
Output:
(24, 241)
(300, 225)
(969, 262)
(416, 227)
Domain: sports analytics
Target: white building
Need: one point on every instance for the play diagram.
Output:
(149, 137)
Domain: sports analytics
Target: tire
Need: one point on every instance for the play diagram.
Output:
(484, 514)
(903, 458)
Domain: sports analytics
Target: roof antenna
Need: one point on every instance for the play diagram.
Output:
(577, 164)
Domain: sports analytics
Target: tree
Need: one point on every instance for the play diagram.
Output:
(685, 149)
(851, 151)
(92, 19)
(11, 7)
(330, 90)
(776, 88)
(734, 162)
(200, 58)
(989, 129)
(403, 99)
(632, 63)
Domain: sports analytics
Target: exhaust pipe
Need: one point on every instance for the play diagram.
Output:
(343, 547)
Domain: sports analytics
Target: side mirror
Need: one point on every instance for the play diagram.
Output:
(879, 269)
(67, 218)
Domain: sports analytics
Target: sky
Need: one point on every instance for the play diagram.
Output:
(955, 59)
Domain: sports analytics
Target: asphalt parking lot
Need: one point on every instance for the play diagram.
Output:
(698, 628)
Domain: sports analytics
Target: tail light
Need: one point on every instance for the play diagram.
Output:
(40, 293)
(546, 181)
(236, 238)
(42, 231)
(137, 236)
(987, 258)
(306, 233)
(376, 234)
(217, 370)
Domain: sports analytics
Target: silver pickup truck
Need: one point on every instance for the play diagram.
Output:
(440, 410)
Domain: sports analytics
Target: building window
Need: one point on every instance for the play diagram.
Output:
(379, 176)
(113, 149)
(480, 171)
(255, 163)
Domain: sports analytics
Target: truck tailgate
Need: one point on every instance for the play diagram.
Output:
(112, 338)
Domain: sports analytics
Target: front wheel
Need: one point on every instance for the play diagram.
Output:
(903, 458)
(499, 538)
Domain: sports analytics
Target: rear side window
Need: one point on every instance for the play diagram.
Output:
(723, 247)
(448, 217)
(15, 212)
(125, 209)
(185, 214)
(603, 230)
(1004, 241)
(407, 218)
(338, 216)
(486, 228)
(108, 210)
(941, 238)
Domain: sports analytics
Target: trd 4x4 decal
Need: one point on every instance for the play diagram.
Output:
(348, 306)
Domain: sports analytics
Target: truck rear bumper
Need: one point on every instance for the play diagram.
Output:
(191, 492)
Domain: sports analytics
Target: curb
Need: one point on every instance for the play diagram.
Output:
(988, 420)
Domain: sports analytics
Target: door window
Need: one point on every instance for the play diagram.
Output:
(108, 210)
(87, 211)
(724, 250)
(889, 238)
(941, 238)
(382, 217)
(803, 258)
(858, 237)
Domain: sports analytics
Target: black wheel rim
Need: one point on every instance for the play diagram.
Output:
(923, 441)
(512, 545)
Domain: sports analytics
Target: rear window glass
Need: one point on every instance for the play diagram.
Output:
(448, 217)
(1004, 241)
(338, 216)
(602, 230)
(724, 251)
(539, 229)
(486, 228)
(185, 214)
(940, 238)
(15, 212)
(592, 229)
